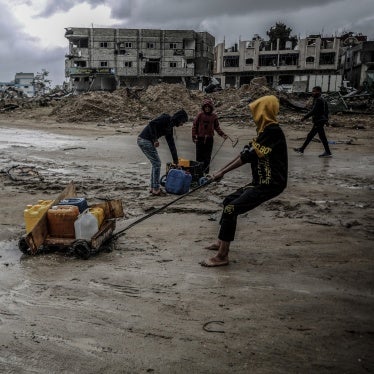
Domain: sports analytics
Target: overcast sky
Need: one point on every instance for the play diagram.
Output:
(32, 31)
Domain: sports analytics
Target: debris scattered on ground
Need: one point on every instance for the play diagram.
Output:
(138, 104)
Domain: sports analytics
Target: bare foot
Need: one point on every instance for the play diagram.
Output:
(212, 247)
(215, 261)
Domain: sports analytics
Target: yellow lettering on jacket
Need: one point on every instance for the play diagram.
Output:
(261, 150)
(229, 209)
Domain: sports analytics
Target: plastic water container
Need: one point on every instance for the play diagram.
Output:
(86, 226)
(178, 182)
(183, 162)
(61, 220)
(98, 213)
(33, 213)
(80, 202)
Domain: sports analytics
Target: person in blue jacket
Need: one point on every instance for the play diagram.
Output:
(148, 143)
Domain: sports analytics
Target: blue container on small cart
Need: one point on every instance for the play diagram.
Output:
(195, 168)
(178, 181)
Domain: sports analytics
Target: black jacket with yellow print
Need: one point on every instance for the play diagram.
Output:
(268, 156)
(268, 151)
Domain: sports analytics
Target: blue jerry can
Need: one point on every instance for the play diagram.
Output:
(80, 202)
(178, 182)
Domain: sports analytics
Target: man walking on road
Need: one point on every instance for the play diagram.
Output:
(320, 117)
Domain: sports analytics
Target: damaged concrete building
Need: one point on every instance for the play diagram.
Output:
(292, 65)
(106, 58)
(357, 61)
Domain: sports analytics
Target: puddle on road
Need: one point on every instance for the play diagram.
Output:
(25, 138)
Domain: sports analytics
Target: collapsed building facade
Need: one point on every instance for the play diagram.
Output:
(106, 58)
(295, 64)
(357, 62)
(23, 85)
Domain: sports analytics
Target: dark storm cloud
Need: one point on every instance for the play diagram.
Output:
(236, 18)
(164, 9)
(225, 20)
(53, 6)
(21, 53)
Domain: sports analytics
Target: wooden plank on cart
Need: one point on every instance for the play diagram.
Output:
(36, 237)
(112, 208)
(103, 234)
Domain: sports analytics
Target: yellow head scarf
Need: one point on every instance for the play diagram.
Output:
(264, 111)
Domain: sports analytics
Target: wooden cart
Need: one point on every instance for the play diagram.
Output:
(38, 238)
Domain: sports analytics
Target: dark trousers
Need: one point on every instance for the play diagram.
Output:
(204, 148)
(317, 129)
(239, 202)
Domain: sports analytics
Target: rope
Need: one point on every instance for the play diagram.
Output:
(141, 219)
(215, 154)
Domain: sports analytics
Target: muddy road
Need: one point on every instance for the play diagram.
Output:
(297, 296)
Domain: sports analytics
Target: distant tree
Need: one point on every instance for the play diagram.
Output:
(41, 84)
(282, 32)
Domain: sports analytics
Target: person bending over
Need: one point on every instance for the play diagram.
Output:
(148, 143)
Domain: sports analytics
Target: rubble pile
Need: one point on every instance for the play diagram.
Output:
(12, 98)
(134, 105)
(97, 105)
(168, 98)
(360, 102)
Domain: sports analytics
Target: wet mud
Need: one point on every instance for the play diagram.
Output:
(297, 296)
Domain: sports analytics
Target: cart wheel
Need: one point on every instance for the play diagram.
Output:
(23, 246)
(202, 181)
(109, 246)
(82, 249)
(163, 180)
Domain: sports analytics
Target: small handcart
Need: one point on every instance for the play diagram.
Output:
(39, 239)
(195, 168)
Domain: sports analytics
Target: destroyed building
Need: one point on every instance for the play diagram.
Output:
(357, 62)
(106, 58)
(22, 85)
(292, 65)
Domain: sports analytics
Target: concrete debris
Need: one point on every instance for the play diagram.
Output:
(139, 104)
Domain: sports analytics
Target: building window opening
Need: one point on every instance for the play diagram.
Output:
(80, 64)
(150, 45)
(327, 44)
(128, 45)
(128, 64)
(173, 45)
(231, 61)
(327, 58)
(173, 64)
(103, 44)
(311, 42)
(286, 79)
(152, 66)
(289, 59)
(269, 80)
(268, 60)
(81, 43)
(104, 64)
(122, 51)
(249, 61)
(310, 60)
